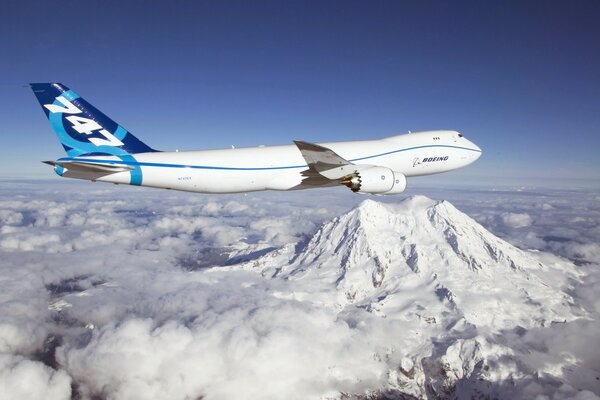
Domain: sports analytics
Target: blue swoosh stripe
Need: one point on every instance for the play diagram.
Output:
(154, 164)
(413, 148)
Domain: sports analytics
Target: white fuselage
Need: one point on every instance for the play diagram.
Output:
(280, 167)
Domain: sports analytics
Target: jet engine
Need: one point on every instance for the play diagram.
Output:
(375, 180)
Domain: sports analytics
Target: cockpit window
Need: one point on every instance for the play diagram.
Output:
(460, 135)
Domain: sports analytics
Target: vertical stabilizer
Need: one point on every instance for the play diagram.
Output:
(82, 128)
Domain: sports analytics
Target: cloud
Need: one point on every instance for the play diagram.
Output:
(547, 207)
(22, 379)
(10, 217)
(260, 351)
(130, 321)
(515, 220)
(586, 251)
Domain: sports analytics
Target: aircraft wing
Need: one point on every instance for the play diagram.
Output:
(324, 161)
(85, 166)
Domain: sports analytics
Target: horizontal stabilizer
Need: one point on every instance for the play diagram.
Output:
(85, 166)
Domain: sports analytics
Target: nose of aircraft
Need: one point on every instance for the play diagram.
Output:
(477, 152)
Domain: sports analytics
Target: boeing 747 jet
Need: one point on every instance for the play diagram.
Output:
(99, 149)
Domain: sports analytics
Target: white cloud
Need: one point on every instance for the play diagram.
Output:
(235, 207)
(10, 217)
(515, 220)
(25, 242)
(22, 379)
(587, 251)
(547, 207)
(261, 351)
(164, 332)
(212, 207)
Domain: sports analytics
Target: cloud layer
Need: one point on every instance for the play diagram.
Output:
(109, 291)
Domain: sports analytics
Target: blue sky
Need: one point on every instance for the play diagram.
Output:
(518, 78)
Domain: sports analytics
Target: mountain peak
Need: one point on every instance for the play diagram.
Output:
(413, 205)
(377, 251)
(447, 288)
(410, 203)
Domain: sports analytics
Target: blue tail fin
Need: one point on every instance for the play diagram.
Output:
(81, 127)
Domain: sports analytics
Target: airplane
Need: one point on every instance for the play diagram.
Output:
(99, 149)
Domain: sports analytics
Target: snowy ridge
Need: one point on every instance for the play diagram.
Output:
(453, 287)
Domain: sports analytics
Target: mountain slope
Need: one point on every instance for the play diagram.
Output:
(450, 288)
(377, 253)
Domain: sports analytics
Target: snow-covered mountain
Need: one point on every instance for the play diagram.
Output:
(454, 289)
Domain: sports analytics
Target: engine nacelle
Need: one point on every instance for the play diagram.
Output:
(399, 184)
(376, 180)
